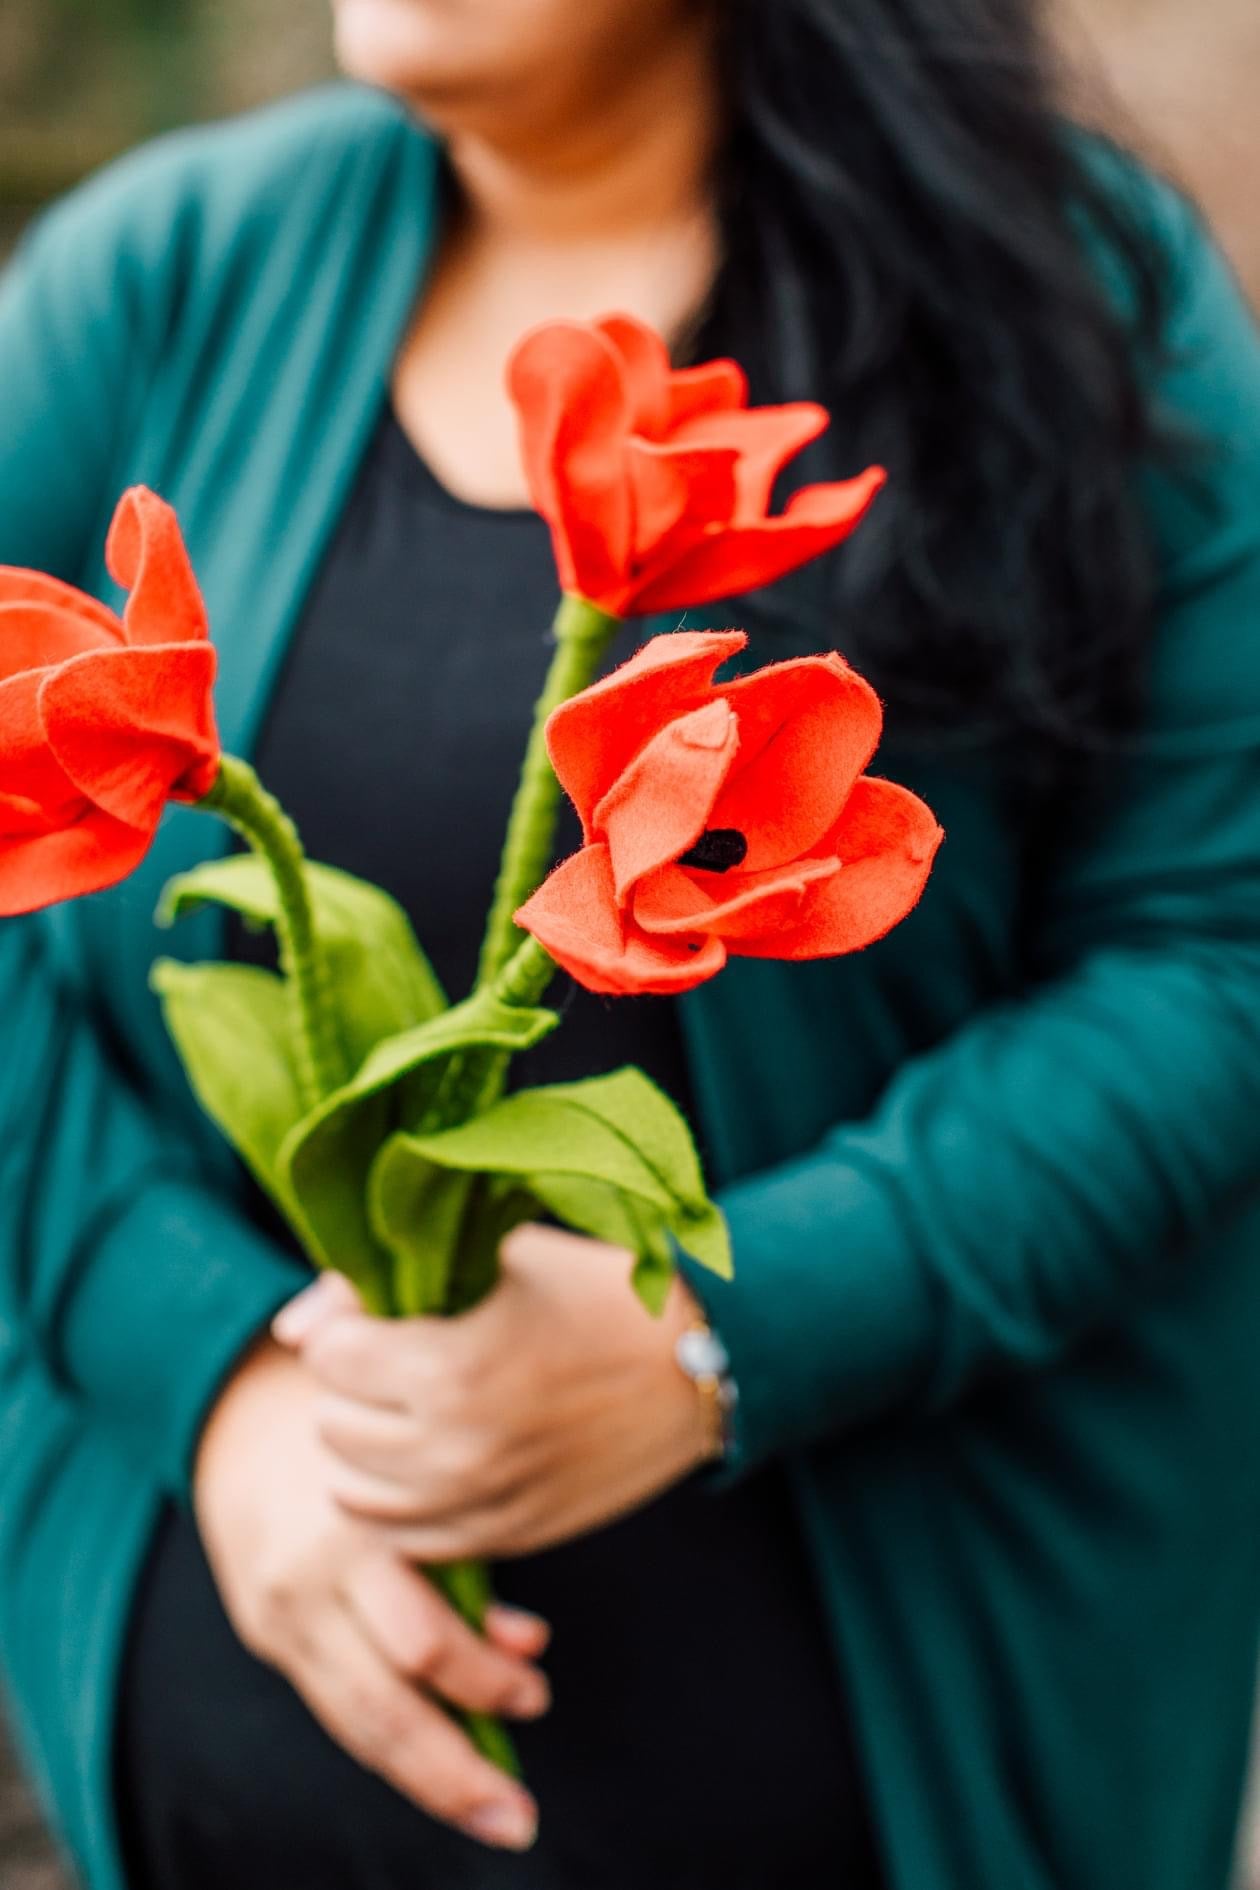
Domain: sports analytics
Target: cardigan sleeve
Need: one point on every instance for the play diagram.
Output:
(122, 1264)
(1038, 1171)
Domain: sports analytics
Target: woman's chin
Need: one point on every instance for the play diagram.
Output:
(412, 47)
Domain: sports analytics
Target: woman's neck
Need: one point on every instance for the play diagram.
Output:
(638, 164)
(583, 213)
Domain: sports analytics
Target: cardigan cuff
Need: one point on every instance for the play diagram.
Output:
(828, 1319)
(176, 1289)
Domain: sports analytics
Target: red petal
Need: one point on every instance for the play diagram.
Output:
(574, 916)
(40, 635)
(729, 905)
(886, 840)
(568, 384)
(677, 494)
(662, 398)
(594, 736)
(660, 805)
(765, 438)
(645, 372)
(806, 731)
(29, 771)
(713, 387)
(145, 554)
(36, 587)
(843, 498)
(133, 727)
(22, 818)
(745, 557)
(92, 853)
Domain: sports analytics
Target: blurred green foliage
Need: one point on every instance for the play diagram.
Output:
(80, 80)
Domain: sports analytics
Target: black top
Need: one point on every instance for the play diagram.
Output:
(697, 1737)
(410, 683)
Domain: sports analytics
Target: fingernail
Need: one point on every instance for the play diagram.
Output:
(510, 1823)
(295, 1321)
(529, 1700)
(516, 1620)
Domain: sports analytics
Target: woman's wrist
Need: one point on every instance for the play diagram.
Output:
(264, 1373)
(699, 1356)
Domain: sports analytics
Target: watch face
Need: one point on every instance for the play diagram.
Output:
(701, 1354)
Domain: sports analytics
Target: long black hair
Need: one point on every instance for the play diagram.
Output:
(915, 236)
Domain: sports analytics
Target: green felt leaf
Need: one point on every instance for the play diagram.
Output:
(327, 1160)
(651, 1279)
(416, 1211)
(480, 1022)
(594, 1208)
(382, 982)
(231, 1026)
(620, 1132)
(442, 1227)
(498, 1203)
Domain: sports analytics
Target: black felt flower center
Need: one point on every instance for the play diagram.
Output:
(717, 850)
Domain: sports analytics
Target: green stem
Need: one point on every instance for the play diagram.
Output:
(466, 1585)
(475, 1080)
(582, 634)
(526, 975)
(239, 798)
(519, 970)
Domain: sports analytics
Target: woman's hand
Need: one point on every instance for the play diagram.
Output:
(363, 1637)
(551, 1407)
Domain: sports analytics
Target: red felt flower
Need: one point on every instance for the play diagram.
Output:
(724, 818)
(657, 484)
(102, 719)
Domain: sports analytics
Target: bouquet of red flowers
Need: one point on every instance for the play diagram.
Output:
(719, 817)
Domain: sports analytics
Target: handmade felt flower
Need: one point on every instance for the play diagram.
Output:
(102, 719)
(657, 484)
(723, 818)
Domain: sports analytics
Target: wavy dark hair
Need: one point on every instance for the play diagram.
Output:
(915, 236)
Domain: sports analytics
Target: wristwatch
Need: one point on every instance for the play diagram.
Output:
(702, 1357)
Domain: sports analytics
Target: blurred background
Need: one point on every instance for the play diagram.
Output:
(81, 80)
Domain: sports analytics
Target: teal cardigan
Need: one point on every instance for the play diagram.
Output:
(993, 1184)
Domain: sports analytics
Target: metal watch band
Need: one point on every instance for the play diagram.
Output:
(702, 1357)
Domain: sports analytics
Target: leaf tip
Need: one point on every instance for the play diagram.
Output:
(706, 1239)
(163, 975)
(651, 1282)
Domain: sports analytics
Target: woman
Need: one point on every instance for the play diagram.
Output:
(971, 1602)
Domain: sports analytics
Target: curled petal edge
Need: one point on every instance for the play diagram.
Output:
(576, 919)
(594, 736)
(886, 840)
(743, 557)
(146, 555)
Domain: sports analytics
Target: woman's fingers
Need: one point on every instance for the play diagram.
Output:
(423, 1638)
(444, 1529)
(372, 1437)
(517, 1631)
(392, 1729)
(451, 1482)
(377, 1361)
(376, 1499)
(328, 1295)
